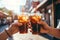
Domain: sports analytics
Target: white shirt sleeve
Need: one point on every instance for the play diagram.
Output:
(58, 25)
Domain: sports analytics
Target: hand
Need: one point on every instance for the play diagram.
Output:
(45, 27)
(14, 28)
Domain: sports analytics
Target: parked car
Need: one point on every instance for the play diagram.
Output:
(3, 21)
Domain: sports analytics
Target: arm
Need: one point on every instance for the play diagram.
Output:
(12, 30)
(4, 36)
(54, 32)
(49, 30)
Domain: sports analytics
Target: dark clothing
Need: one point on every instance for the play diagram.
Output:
(57, 13)
(56, 16)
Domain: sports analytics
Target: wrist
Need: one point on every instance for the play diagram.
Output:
(9, 33)
(49, 30)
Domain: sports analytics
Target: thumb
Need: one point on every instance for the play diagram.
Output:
(40, 22)
(16, 24)
(19, 24)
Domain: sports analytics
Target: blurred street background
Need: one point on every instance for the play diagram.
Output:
(11, 9)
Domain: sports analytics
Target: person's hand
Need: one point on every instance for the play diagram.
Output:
(44, 28)
(14, 28)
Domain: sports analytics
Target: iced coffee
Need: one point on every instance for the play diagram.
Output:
(23, 19)
(35, 26)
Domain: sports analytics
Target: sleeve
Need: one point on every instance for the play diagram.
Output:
(58, 25)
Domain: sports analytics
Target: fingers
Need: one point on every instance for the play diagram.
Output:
(40, 22)
(16, 24)
(19, 24)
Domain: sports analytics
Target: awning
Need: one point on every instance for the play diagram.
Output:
(2, 15)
